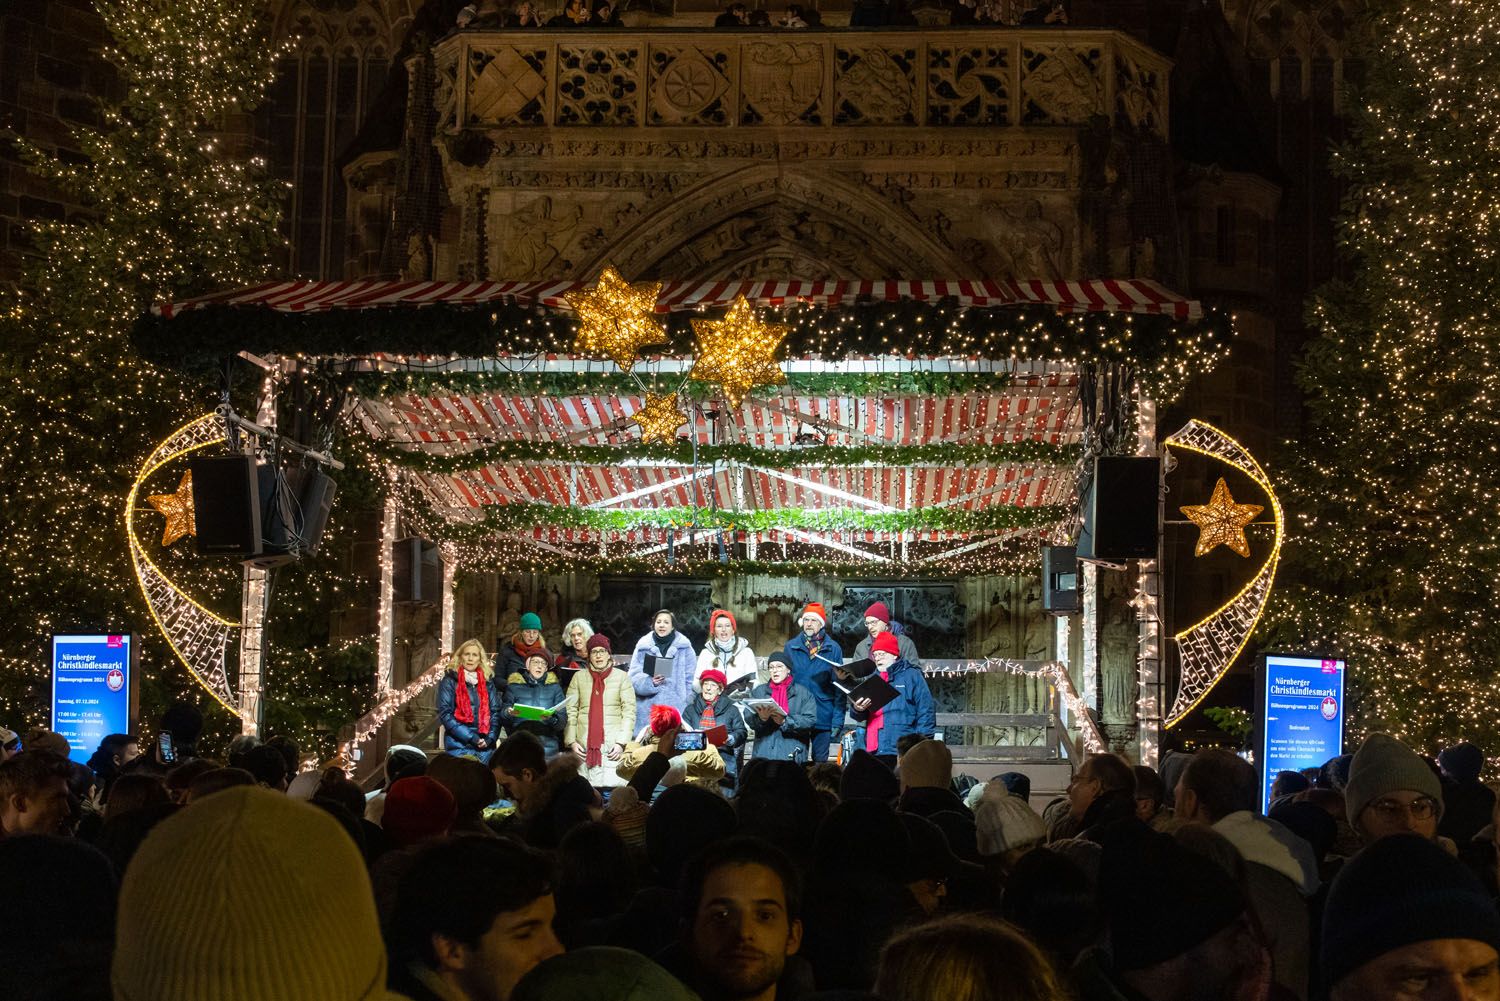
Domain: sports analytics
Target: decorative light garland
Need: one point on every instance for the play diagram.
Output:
(1054, 672)
(1208, 648)
(200, 638)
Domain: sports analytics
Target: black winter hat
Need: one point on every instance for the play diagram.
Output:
(867, 777)
(1143, 930)
(1399, 891)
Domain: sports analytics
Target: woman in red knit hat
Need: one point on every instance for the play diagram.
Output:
(709, 709)
(728, 653)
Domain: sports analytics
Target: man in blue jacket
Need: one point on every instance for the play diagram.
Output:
(814, 656)
(912, 711)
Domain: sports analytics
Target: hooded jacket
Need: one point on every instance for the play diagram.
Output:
(459, 736)
(816, 675)
(559, 802)
(676, 690)
(544, 693)
(911, 711)
(789, 741)
(739, 666)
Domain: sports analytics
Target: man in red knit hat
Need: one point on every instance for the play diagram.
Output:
(814, 655)
(878, 621)
(912, 711)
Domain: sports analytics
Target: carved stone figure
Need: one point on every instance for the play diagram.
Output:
(1061, 85)
(1030, 243)
(537, 237)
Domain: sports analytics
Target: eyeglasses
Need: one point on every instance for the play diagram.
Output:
(1421, 808)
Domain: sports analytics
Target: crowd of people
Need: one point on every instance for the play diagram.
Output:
(587, 854)
(493, 14)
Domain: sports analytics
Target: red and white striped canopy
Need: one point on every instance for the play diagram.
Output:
(1122, 295)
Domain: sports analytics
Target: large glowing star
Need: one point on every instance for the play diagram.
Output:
(177, 508)
(1221, 522)
(659, 418)
(738, 352)
(617, 319)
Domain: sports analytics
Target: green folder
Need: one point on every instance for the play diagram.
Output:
(535, 712)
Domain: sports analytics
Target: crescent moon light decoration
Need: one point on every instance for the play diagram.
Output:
(1208, 647)
(200, 638)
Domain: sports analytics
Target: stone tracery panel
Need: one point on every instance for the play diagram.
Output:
(598, 84)
(690, 85)
(968, 85)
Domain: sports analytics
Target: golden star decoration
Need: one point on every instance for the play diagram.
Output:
(739, 351)
(177, 509)
(1221, 522)
(617, 319)
(659, 418)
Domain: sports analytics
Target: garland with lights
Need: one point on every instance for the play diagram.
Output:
(1396, 564)
(513, 517)
(423, 381)
(1003, 453)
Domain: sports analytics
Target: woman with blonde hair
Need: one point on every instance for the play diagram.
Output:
(471, 702)
(965, 957)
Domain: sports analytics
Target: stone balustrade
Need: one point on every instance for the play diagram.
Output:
(780, 81)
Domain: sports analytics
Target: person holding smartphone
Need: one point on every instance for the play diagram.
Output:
(471, 702)
(784, 716)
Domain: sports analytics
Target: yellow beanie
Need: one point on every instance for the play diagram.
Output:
(248, 895)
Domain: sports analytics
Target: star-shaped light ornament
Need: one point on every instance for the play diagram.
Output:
(1221, 522)
(659, 418)
(616, 319)
(177, 509)
(739, 351)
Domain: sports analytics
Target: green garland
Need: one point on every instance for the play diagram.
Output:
(631, 565)
(422, 382)
(682, 452)
(514, 517)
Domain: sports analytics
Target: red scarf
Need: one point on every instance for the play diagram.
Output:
(526, 651)
(595, 748)
(463, 709)
(877, 720)
(780, 693)
(706, 719)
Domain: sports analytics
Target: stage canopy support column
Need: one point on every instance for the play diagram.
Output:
(386, 617)
(1147, 602)
(255, 590)
(1090, 653)
(445, 634)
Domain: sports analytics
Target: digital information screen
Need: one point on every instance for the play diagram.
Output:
(1302, 715)
(93, 690)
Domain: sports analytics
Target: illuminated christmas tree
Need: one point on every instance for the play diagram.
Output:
(171, 209)
(1395, 551)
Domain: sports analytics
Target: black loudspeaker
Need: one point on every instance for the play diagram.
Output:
(226, 505)
(317, 494)
(418, 571)
(1060, 580)
(1120, 509)
(294, 510)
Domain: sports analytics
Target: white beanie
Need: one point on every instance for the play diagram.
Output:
(1003, 822)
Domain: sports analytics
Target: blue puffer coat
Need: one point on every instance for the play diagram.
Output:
(789, 741)
(461, 737)
(912, 711)
(543, 692)
(815, 673)
(677, 689)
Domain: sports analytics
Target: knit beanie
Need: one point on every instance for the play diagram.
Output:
(531, 620)
(929, 765)
(1463, 762)
(879, 611)
(778, 658)
(1399, 891)
(1132, 875)
(715, 675)
(1384, 765)
(248, 895)
(600, 973)
(816, 609)
(599, 641)
(867, 777)
(1018, 784)
(402, 757)
(417, 809)
(721, 613)
(886, 642)
(627, 815)
(1003, 821)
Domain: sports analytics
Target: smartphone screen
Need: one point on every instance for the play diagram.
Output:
(693, 741)
(164, 748)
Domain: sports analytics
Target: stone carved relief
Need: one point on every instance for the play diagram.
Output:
(1029, 244)
(507, 86)
(532, 240)
(1060, 85)
(1139, 95)
(445, 94)
(688, 86)
(597, 85)
(875, 86)
(968, 86)
(781, 83)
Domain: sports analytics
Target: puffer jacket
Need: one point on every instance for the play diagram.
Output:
(911, 711)
(815, 673)
(544, 693)
(460, 736)
(789, 741)
(619, 709)
(677, 689)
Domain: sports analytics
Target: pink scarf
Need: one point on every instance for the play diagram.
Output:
(780, 692)
(877, 720)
